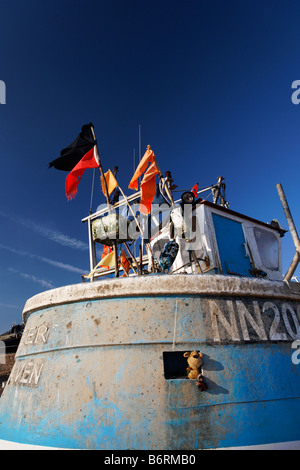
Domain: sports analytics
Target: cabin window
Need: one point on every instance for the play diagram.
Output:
(231, 245)
(268, 248)
(175, 365)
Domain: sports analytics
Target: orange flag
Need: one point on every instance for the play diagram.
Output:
(148, 185)
(111, 182)
(148, 188)
(125, 262)
(149, 157)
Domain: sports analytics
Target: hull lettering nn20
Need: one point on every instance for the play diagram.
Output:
(244, 321)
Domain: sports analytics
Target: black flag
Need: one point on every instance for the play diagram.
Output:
(71, 155)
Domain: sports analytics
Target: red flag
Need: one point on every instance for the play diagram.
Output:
(195, 190)
(89, 160)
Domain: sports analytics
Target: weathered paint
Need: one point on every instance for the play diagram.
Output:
(89, 370)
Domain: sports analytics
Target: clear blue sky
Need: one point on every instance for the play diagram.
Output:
(208, 81)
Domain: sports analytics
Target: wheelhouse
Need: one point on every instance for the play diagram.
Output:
(226, 242)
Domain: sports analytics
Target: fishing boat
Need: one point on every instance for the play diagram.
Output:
(183, 337)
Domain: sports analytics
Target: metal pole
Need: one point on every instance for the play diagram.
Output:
(293, 267)
(92, 249)
(293, 230)
(289, 217)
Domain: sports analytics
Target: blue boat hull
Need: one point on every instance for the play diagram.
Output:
(101, 366)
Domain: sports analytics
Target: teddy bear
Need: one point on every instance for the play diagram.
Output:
(194, 360)
(194, 370)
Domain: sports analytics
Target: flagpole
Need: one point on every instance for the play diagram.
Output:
(92, 191)
(101, 171)
(107, 201)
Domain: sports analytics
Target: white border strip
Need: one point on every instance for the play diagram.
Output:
(291, 445)
(9, 445)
